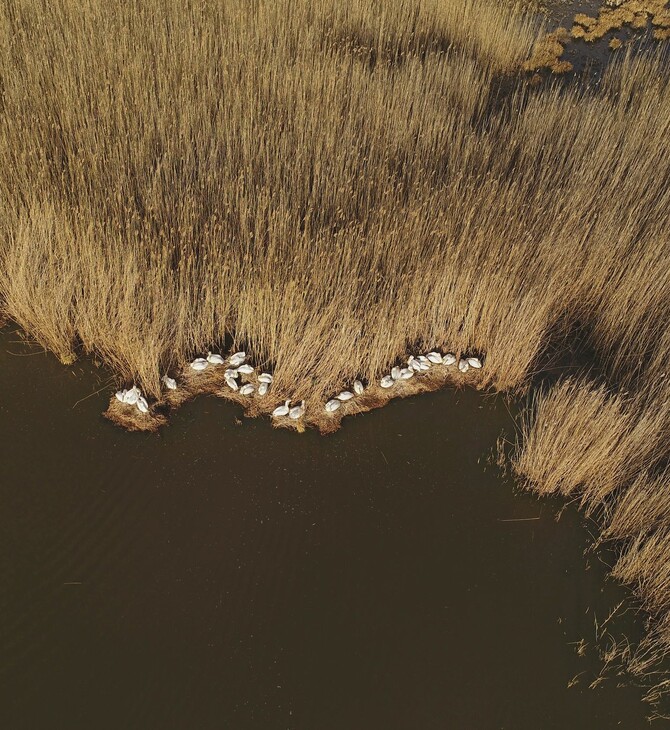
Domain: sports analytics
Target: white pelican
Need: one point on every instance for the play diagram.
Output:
(231, 373)
(281, 410)
(265, 378)
(142, 405)
(333, 405)
(474, 362)
(395, 373)
(358, 387)
(132, 395)
(406, 374)
(120, 395)
(410, 359)
(245, 369)
(387, 381)
(232, 383)
(424, 363)
(297, 411)
(247, 389)
(345, 395)
(263, 388)
(448, 359)
(435, 358)
(170, 383)
(214, 359)
(199, 363)
(463, 365)
(238, 358)
(415, 365)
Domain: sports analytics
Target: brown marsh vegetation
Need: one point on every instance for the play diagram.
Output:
(332, 184)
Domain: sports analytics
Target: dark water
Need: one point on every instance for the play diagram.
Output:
(219, 575)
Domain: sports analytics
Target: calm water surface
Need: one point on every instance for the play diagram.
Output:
(219, 575)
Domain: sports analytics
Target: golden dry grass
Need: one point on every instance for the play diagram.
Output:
(162, 179)
(547, 53)
(331, 184)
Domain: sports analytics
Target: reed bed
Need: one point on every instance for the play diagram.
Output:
(330, 185)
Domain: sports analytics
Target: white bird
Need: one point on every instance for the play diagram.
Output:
(132, 395)
(423, 366)
(214, 359)
(358, 387)
(448, 359)
(142, 405)
(281, 410)
(387, 381)
(410, 359)
(297, 411)
(395, 373)
(245, 369)
(474, 362)
(435, 358)
(265, 378)
(463, 365)
(247, 389)
(170, 383)
(423, 359)
(231, 373)
(237, 358)
(263, 388)
(345, 395)
(333, 405)
(415, 365)
(199, 363)
(232, 383)
(406, 374)
(120, 395)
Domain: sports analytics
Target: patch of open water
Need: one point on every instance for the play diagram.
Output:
(227, 575)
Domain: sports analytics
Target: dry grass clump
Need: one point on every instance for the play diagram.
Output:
(132, 420)
(28, 282)
(645, 564)
(642, 508)
(582, 440)
(547, 53)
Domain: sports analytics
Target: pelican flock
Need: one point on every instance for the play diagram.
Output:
(237, 365)
(416, 365)
(133, 397)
